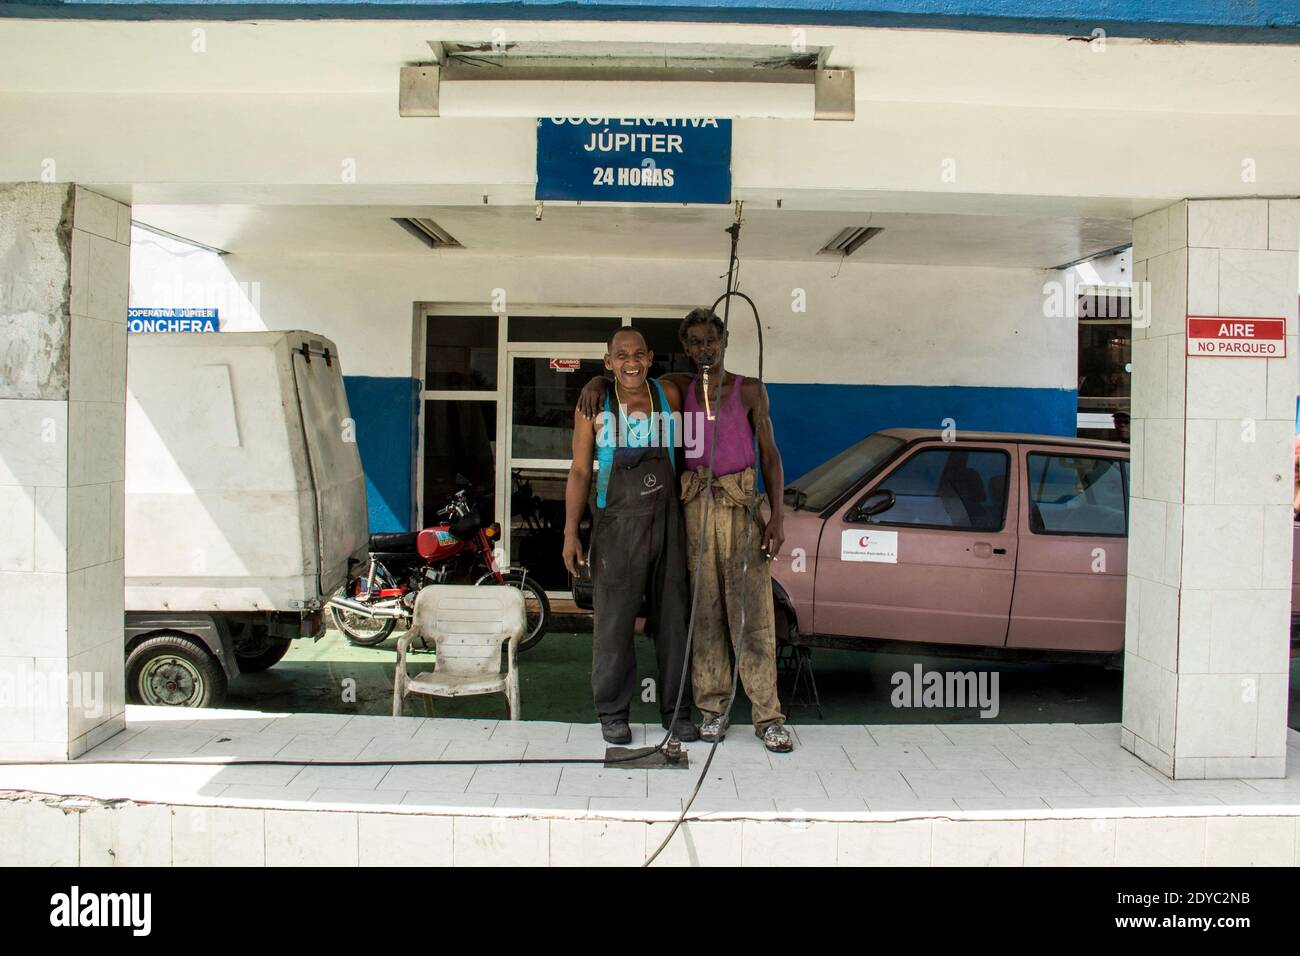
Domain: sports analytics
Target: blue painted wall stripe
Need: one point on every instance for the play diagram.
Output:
(815, 422)
(1258, 21)
(384, 410)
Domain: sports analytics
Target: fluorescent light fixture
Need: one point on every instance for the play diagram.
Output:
(463, 59)
(625, 80)
(1094, 255)
(175, 238)
(429, 233)
(849, 240)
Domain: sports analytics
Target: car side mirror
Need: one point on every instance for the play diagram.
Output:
(880, 500)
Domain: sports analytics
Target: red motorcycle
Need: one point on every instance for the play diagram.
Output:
(370, 606)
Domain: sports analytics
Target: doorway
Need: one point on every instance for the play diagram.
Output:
(497, 412)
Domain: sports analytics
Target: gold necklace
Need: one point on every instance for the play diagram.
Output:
(623, 405)
(619, 395)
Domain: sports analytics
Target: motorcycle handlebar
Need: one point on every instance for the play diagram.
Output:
(457, 506)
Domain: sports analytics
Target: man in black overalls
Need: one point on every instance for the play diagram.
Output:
(638, 543)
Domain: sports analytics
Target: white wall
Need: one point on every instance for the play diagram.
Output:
(877, 324)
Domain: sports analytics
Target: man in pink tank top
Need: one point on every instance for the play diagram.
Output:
(735, 409)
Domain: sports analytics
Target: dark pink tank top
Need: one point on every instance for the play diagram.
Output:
(735, 450)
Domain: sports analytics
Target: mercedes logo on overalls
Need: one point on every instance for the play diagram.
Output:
(650, 480)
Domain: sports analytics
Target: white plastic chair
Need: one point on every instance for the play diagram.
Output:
(467, 626)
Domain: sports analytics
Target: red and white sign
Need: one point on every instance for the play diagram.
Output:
(565, 365)
(1226, 336)
(862, 544)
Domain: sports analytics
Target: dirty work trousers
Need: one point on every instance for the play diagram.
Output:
(638, 553)
(723, 590)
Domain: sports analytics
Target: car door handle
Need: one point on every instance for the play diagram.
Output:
(983, 549)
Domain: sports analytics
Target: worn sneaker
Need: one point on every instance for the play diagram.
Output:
(776, 739)
(683, 729)
(715, 728)
(616, 732)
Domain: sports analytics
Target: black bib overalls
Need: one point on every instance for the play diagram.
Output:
(638, 553)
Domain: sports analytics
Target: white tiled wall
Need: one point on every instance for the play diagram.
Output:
(61, 470)
(96, 467)
(217, 836)
(126, 835)
(33, 833)
(1228, 224)
(301, 838)
(1210, 531)
(1284, 224)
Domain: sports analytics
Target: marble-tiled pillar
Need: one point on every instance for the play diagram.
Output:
(1207, 637)
(64, 261)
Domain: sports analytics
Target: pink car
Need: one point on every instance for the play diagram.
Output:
(987, 540)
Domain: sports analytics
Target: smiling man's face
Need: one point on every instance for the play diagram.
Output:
(629, 359)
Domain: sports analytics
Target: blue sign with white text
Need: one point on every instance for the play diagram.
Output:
(172, 320)
(634, 160)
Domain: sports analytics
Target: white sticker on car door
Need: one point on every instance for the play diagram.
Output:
(862, 544)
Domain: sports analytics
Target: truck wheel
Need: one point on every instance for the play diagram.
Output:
(260, 651)
(171, 670)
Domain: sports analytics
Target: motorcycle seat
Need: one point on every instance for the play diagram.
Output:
(394, 543)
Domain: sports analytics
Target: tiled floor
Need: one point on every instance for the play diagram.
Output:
(835, 773)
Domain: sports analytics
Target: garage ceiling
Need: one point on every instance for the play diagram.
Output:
(658, 232)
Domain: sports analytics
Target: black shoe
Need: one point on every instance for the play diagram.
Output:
(683, 729)
(616, 732)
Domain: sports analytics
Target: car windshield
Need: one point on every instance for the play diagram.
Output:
(816, 489)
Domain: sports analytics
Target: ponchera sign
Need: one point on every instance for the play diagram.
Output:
(172, 320)
(634, 160)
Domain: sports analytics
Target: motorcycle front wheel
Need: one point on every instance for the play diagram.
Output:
(537, 608)
(361, 630)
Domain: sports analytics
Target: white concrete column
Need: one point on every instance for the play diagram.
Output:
(64, 260)
(1207, 638)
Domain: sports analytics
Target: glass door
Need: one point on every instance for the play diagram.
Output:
(458, 431)
(544, 380)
